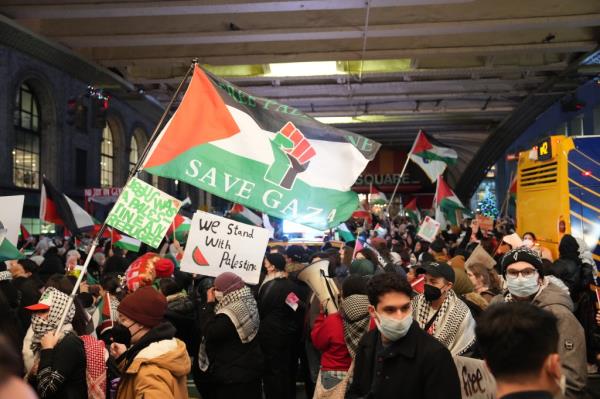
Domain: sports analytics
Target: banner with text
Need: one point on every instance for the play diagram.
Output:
(429, 229)
(476, 381)
(143, 212)
(216, 245)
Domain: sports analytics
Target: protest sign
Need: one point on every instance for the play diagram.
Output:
(11, 210)
(143, 212)
(485, 223)
(216, 245)
(476, 381)
(429, 229)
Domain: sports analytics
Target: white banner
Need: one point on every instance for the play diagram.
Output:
(216, 245)
(11, 211)
(429, 229)
(476, 381)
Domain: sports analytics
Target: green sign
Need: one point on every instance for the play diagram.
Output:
(143, 212)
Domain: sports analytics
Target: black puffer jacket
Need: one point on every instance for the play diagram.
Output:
(181, 313)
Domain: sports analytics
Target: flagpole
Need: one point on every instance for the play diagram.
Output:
(504, 208)
(132, 173)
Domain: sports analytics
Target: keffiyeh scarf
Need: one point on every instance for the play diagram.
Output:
(58, 305)
(355, 315)
(453, 326)
(241, 308)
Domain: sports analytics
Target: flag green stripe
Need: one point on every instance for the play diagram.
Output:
(241, 180)
(447, 203)
(8, 251)
(435, 157)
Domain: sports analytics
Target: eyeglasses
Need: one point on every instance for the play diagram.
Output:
(524, 273)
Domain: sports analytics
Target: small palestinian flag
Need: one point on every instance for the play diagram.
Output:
(376, 196)
(180, 227)
(413, 212)
(345, 233)
(57, 208)
(244, 215)
(7, 250)
(260, 153)
(129, 243)
(24, 233)
(446, 203)
(363, 212)
(432, 158)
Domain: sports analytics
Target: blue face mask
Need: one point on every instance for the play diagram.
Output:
(523, 287)
(391, 328)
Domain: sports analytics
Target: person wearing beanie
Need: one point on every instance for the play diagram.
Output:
(362, 267)
(164, 268)
(230, 359)
(279, 306)
(156, 364)
(522, 269)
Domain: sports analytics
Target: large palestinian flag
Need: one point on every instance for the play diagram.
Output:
(261, 154)
(430, 156)
(57, 208)
(446, 203)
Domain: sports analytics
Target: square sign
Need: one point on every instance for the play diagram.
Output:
(143, 212)
(429, 229)
(216, 245)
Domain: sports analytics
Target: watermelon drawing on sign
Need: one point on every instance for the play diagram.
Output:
(198, 258)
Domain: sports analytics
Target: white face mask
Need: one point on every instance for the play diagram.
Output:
(391, 328)
(528, 243)
(219, 296)
(523, 287)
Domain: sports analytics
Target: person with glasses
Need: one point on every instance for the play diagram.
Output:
(522, 268)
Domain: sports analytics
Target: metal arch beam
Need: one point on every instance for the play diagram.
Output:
(338, 33)
(553, 47)
(174, 8)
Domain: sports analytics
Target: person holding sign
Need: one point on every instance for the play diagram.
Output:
(519, 343)
(230, 355)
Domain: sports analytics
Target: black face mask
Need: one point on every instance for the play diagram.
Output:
(432, 293)
(120, 334)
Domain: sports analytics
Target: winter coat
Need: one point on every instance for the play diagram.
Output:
(61, 371)
(570, 273)
(571, 345)
(181, 312)
(276, 317)
(29, 294)
(159, 371)
(230, 360)
(328, 337)
(415, 366)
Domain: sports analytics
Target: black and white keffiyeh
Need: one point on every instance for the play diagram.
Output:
(356, 318)
(57, 301)
(453, 326)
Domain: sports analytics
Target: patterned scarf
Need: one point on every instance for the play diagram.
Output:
(95, 371)
(355, 315)
(448, 322)
(240, 306)
(58, 305)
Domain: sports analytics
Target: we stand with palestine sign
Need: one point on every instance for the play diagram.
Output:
(143, 212)
(216, 245)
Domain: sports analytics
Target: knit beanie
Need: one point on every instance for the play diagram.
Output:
(228, 282)
(522, 254)
(164, 268)
(354, 285)
(145, 306)
(361, 267)
(277, 260)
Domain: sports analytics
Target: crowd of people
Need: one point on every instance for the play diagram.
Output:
(404, 309)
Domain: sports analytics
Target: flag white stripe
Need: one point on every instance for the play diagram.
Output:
(82, 218)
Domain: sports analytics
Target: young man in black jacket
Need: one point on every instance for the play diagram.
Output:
(399, 360)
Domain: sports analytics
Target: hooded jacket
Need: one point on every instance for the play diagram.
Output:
(571, 344)
(159, 371)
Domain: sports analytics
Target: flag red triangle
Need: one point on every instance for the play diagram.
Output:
(421, 143)
(199, 258)
(201, 117)
(442, 191)
(412, 205)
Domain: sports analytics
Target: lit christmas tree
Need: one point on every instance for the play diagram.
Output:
(487, 206)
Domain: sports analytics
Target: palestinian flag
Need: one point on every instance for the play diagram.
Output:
(363, 212)
(446, 203)
(129, 243)
(244, 215)
(432, 158)
(376, 196)
(413, 212)
(513, 189)
(57, 208)
(260, 153)
(180, 226)
(345, 233)
(24, 233)
(7, 250)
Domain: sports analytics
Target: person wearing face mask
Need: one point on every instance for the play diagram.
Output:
(230, 357)
(525, 281)
(519, 343)
(441, 313)
(156, 364)
(398, 359)
(530, 241)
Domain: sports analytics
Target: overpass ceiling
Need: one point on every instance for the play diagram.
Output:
(456, 68)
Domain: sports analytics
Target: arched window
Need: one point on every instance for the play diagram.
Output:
(106, 158)
(133, 153)
(26, 152)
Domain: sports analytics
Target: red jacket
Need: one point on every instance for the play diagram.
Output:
(328, 337)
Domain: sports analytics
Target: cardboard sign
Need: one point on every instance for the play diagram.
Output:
(485, 223)
(429, 229)
(216, 245)
(476, 381)
(143, 212)
(11, 210)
